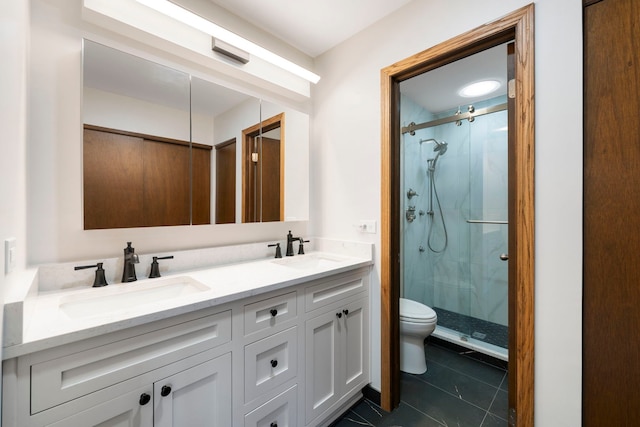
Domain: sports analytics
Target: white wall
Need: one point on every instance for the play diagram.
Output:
(110, 110)
(14, 42)
(345, 153)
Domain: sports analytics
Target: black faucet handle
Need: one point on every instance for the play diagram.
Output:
(155, 267)
(278, 250)
(301, 246)
(100, 280)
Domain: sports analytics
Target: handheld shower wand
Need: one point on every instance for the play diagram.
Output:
(440, 148)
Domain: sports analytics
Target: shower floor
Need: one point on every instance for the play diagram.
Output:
(481, 330)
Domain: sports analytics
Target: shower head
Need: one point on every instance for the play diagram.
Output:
(440, 147)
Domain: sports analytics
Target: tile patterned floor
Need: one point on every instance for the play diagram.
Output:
(456, 391)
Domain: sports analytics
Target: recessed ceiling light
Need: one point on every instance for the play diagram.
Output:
(479, 88)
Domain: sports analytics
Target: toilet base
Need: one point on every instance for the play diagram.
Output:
(412, 358)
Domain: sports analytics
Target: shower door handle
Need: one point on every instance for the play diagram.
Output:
(504, 257)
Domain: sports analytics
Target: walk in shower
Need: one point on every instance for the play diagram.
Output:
(454, 220)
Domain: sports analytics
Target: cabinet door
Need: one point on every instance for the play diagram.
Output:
(113, 177)
(353, 348)
(197, 397)
(127, 410)
(321, 368)
(166, 183)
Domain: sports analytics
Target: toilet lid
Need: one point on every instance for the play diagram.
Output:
(415, 311)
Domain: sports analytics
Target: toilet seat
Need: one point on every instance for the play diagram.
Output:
(414, 312)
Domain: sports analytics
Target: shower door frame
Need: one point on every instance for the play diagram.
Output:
(517, 27)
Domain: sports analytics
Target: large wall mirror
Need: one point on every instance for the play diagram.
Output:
(162, 147)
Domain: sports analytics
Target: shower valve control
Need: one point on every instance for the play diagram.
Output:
(411, 193)
(411, 213)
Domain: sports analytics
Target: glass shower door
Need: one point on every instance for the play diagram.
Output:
(455, 225)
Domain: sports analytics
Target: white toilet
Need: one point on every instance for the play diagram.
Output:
(417, 321)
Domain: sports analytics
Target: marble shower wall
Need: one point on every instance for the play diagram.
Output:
(468, 277)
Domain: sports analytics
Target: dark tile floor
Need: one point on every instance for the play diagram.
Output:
(456, 390)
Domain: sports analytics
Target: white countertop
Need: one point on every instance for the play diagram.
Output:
(68, 315)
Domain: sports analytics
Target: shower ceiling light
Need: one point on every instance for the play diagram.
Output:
(479, 88)
(189, 18)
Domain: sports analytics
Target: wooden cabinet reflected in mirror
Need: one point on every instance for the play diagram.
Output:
(138, 180)
(226, 182)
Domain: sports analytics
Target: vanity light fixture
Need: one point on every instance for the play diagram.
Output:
(187, 17)
(226, 49)
(480, 88)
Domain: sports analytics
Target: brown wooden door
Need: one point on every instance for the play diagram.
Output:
(611, 305)
(226, 182)
(271, 180)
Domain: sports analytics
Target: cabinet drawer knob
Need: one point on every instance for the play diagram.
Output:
(339, 315)
(165, 390)
(273, 425)
(274, 363)
(144, 399)
(346, 312)
(274, 312)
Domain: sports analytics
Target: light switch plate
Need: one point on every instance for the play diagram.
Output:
(367, 226)
(9, 255)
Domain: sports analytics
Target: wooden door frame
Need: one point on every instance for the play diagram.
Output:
(247, 135)
(518, 27)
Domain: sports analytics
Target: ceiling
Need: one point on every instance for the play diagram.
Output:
(315, 26)
(438, 89)
(312, 26)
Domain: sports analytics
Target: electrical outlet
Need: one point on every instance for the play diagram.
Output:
(367, 226)
(9, 255)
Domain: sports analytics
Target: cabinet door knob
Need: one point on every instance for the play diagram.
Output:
(273, 425)
(274, 312)
(165, 390)
(339, 315)
(144, 399)
(274, 363)
(346, 312)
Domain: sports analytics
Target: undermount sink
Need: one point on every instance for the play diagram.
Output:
(117, 298)
(309, 262)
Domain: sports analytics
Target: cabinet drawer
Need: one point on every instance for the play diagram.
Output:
(279, 411)
(59, 380)
(270, 362)
(334, 290)
(269, 313)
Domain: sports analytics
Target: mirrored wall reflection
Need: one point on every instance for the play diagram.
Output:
(162, 147)
(218, 116)
(136, 149)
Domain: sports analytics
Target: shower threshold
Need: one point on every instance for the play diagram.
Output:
(471, 343)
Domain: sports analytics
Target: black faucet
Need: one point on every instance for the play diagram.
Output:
(99, 280)
(290, 240)
(155, 267)
(301, 245)
(278, 250)
(130, 259)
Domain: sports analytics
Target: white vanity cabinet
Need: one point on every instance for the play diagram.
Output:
(197, 396)
(120, 376)
(291, 357)
(336, 344)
